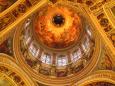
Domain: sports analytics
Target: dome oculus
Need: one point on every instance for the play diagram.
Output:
(57, 27)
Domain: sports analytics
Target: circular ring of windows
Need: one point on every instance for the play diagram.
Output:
(57, 62)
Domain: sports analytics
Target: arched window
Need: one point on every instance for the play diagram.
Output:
(62, 60)
(37, 52)
(33, 50)
(88, 30)
(76, 55)
(28, 40)
(27, 23)
(86, 44)
(46, 58)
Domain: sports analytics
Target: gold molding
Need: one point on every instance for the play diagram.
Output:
(4, 34)
(8, 62)
(101, 75)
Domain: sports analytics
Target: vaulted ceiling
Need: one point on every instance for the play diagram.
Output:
(57, 43)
